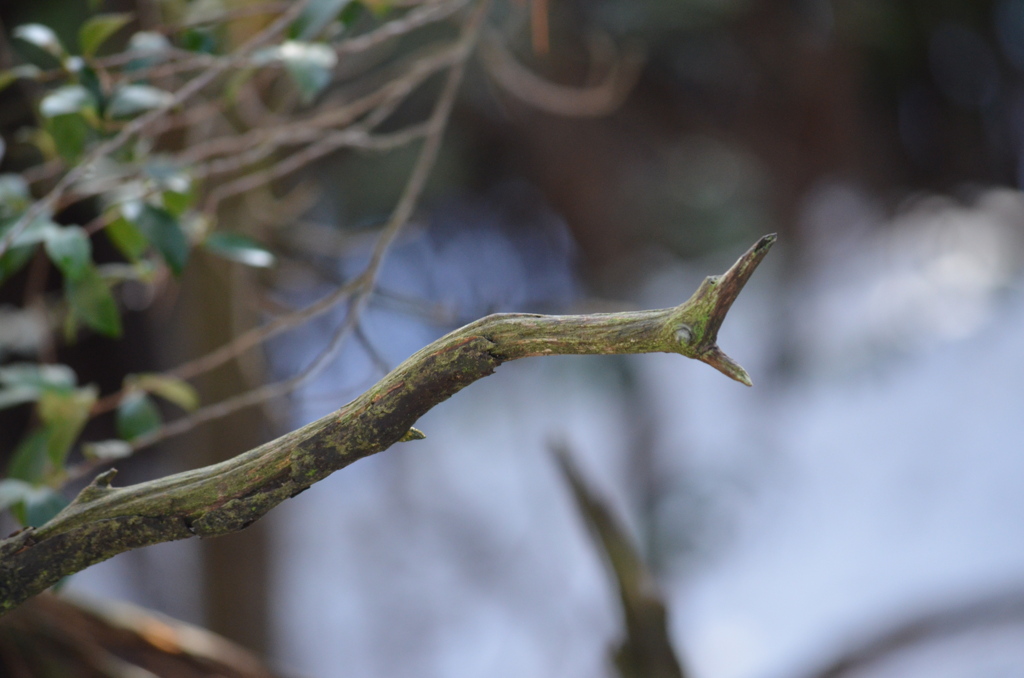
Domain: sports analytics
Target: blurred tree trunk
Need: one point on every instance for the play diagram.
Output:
(234, 567)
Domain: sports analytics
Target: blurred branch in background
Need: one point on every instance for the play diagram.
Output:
(646, 651)
(356, 292)
(52, 636)
(937, 626)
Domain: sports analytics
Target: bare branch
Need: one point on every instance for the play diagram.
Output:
(103, 521)
(258, 143)
(935, 625)
(416, 18)
(551, 97)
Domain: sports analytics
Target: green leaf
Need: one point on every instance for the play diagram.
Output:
(13, 491)
(23, 247)
(14, 196)
(42, 37)
(131, 100)
(38, 376)
(25, 382)
(351, 13)
(70, 133)
(40, 138)
(149, 42)
(107, 450)
(239, 248)
(67, 99)
(164, 231)
(42, 507)
(91, 302)
(127, 238)
(316, 15)
(97, 29)
(33, 234)
(147, 49)
(172, 389)
(70, 250)
(13, 260)
(90, 80)
(137, 415)
(177, 190)
(18, 395)
(31, 504)
(177, 203)
(11, 75)
(68, 111)
(309, 64)
(64, 413)
(200, 39)
(380, 8)
(29, 459)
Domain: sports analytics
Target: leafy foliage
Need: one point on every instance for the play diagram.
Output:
(110, 110)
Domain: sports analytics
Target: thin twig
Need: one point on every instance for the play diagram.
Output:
(309, 129)
(376, 358)
(357, 289)
(350, 138)
(416, 18)
(586, 101)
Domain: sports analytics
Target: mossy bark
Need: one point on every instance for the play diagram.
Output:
(226, 497)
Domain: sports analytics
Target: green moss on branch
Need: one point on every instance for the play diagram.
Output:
(103, 520)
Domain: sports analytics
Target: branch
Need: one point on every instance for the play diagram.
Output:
(578, 102)
(103, 520)
(925, 630)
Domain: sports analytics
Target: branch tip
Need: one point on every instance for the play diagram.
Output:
(766, 242)
(727, 366)
(104, 479)
(712, 301)
(412, 434)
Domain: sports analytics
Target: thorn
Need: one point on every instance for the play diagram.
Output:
(104, 479)
(412, 434)
(726, 365)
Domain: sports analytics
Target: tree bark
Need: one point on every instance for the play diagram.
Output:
(226, 497)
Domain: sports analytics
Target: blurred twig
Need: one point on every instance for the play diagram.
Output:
(1002, 608)
(187, 91)
(586, 101)
(646, 651)
(357, 290)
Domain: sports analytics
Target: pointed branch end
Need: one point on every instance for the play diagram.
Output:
(104, 479)
(766, 242)
(412, 434)
(736, 277)
(706, 310)
(726, 365)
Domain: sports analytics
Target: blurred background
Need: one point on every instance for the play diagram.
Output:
(858, 512)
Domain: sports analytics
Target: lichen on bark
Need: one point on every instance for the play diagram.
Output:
(103, 521)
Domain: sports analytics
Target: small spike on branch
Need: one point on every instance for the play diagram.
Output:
(710, 304)
(103, 520)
